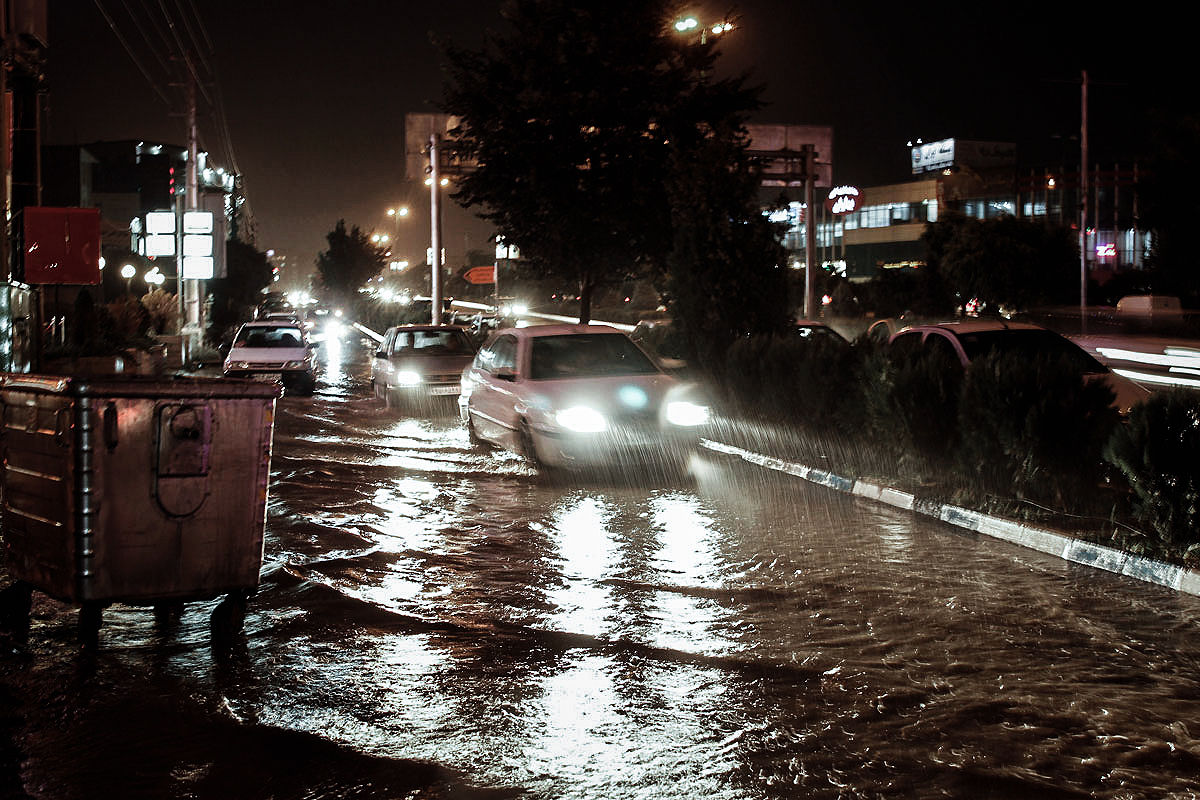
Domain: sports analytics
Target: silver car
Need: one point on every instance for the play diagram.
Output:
(579, 396)
(421, 364)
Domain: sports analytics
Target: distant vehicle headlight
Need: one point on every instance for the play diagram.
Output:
(685, 414)
(407, 378)
(582, 419)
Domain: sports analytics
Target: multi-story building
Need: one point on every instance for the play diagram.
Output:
(881, 228)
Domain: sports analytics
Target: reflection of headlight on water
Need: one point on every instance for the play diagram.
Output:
(685, 414)
(333, 329)
(407, 378)
(582, 419)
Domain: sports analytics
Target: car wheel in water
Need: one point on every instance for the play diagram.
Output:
(473, 435)
(527, 445)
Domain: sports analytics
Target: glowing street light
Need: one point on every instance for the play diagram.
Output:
(402, 211)
(690, 24)
(127, 272)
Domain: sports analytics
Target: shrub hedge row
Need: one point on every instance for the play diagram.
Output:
(1006, 427)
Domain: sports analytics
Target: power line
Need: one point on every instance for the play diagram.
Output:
(132, 57)
(183, 51)
(187, 26)
(146, 38)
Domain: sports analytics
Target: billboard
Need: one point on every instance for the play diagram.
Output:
(948, 153)
(60, 245)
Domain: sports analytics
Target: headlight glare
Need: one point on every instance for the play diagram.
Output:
(686, 414)
(407, 378)
(582, 419)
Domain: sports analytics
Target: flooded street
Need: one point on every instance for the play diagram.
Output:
(441, 621)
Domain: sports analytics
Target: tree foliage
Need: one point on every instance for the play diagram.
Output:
(349, 263)
(574, 116)
(247, 273)
(1003, 260)
(725, 274)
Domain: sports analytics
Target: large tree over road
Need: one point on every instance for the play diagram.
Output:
(580, 117)
(349, 263)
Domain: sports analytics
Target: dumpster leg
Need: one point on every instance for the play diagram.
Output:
(16, 602)
(90, 617)
(167, 613)
(229, 617)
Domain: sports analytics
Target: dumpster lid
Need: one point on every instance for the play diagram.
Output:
(139, 386)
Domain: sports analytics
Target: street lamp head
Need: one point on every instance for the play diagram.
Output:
(128, 271)
(686, 24)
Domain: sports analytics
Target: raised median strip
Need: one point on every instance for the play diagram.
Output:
(1040, 539)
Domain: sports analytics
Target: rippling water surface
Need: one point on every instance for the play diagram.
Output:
(438, 621)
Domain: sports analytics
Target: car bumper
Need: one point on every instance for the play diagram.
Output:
(669, 447)
(287, 376)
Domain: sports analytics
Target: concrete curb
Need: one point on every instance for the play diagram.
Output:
(1040, 539)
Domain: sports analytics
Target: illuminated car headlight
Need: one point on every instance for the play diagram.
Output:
(407, 378)
(582, 419)
(685, 414)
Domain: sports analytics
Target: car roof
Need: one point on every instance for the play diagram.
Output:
(534, 331)
(974, 326)
(272, 323)
(429, 327)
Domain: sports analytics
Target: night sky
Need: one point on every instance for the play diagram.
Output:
(315, 92)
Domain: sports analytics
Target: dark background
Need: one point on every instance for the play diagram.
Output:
(315, 92)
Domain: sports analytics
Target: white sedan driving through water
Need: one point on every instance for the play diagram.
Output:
(577, 396)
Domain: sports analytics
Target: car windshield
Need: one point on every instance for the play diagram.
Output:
(587, 355)
(1028, 344)
(269, 336)
(432, 343)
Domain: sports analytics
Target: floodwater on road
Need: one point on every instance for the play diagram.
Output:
(441, 621)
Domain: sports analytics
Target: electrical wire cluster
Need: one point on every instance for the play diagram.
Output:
(171, 48)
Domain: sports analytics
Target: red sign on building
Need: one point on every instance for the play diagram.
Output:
(61, 245)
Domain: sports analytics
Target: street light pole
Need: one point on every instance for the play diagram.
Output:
(810, 224)
(1083, 204)
(435, 231)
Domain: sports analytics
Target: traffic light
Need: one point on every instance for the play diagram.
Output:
(171, 181)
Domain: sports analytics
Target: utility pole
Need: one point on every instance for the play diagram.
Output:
(192, 288)
(1083, 204)
(810, 222)
(435, 231)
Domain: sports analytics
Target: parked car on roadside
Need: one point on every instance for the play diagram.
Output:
(662, 339)
(966, 341)
(578, 396)
(421, 363)
(273, 350)
(815, 329)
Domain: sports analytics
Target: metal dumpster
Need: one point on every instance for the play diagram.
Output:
(131, 489)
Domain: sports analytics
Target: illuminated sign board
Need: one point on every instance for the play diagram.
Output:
(160, 222)
(932, 156)
(198, 268)
(1106, 251)
(844, 199)
(160, 244)
(197, 222)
